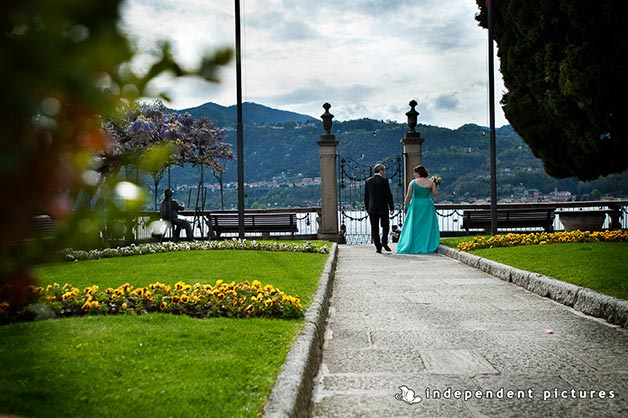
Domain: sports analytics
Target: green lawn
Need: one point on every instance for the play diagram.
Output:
(600, 266)
(289, 271)
(156, 365)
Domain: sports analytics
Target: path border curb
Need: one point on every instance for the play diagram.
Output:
(292, 392)
(585, 300)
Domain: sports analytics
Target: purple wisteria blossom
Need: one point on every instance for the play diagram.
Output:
(148, 126)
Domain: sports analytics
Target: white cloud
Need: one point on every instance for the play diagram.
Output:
(368, 58)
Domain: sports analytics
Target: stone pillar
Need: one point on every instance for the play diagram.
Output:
(328, 225)
(412, 152)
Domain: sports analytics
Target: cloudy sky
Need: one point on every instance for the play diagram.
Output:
(368, 58)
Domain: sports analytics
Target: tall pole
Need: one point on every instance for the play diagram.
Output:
(491, 100)
(240, 133)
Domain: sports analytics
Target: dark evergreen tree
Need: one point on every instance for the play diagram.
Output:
(565, 65)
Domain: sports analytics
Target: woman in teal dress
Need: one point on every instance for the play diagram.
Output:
(419, 233)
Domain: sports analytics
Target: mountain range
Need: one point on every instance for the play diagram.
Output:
(283, 145)
(252, 114)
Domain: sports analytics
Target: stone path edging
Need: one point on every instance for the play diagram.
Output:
(582, 299)
(292, 391)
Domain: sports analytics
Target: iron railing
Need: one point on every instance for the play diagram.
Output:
(357, 226)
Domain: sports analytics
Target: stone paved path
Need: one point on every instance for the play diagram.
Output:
(445, 329)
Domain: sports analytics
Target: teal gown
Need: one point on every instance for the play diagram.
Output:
(419, 233)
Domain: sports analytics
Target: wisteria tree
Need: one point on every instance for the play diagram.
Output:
(154, 139)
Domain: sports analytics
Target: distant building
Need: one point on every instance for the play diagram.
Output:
(561, 196)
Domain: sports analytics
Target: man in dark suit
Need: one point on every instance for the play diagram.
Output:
(378, 200)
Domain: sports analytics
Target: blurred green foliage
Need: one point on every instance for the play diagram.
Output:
(64, 66)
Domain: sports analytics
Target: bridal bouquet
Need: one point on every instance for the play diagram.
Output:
(436, 179)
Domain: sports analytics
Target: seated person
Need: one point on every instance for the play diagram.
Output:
(170, 212)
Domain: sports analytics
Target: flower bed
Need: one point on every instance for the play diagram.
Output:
(233, 300)
(153, 248)
(542, 238)
(241, 300)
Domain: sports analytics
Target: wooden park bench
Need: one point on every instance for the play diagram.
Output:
(253, 222)
(44, 226)
(509, 218)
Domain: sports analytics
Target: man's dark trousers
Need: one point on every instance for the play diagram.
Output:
(376, 219)
(378, 201)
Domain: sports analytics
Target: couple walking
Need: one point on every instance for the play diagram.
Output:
(419, 233)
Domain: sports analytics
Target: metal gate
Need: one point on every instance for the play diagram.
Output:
(353, 217)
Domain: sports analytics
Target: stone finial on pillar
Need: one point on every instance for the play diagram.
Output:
(412, 115)
(327, 117)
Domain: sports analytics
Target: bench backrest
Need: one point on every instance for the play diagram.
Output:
(511, 214)
(252, 221)
(510, 218)
(44, 225)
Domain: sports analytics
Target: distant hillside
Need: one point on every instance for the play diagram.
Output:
(279, 144)
(252, 114)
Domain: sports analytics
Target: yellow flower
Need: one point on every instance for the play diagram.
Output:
(90, 305)
(36, 289)
(163, 306)
(91, 290)
(68, 295)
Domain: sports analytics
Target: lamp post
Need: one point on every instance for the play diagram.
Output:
(240, 133)
(491, 94)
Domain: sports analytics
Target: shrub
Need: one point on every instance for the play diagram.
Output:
(153, 248)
